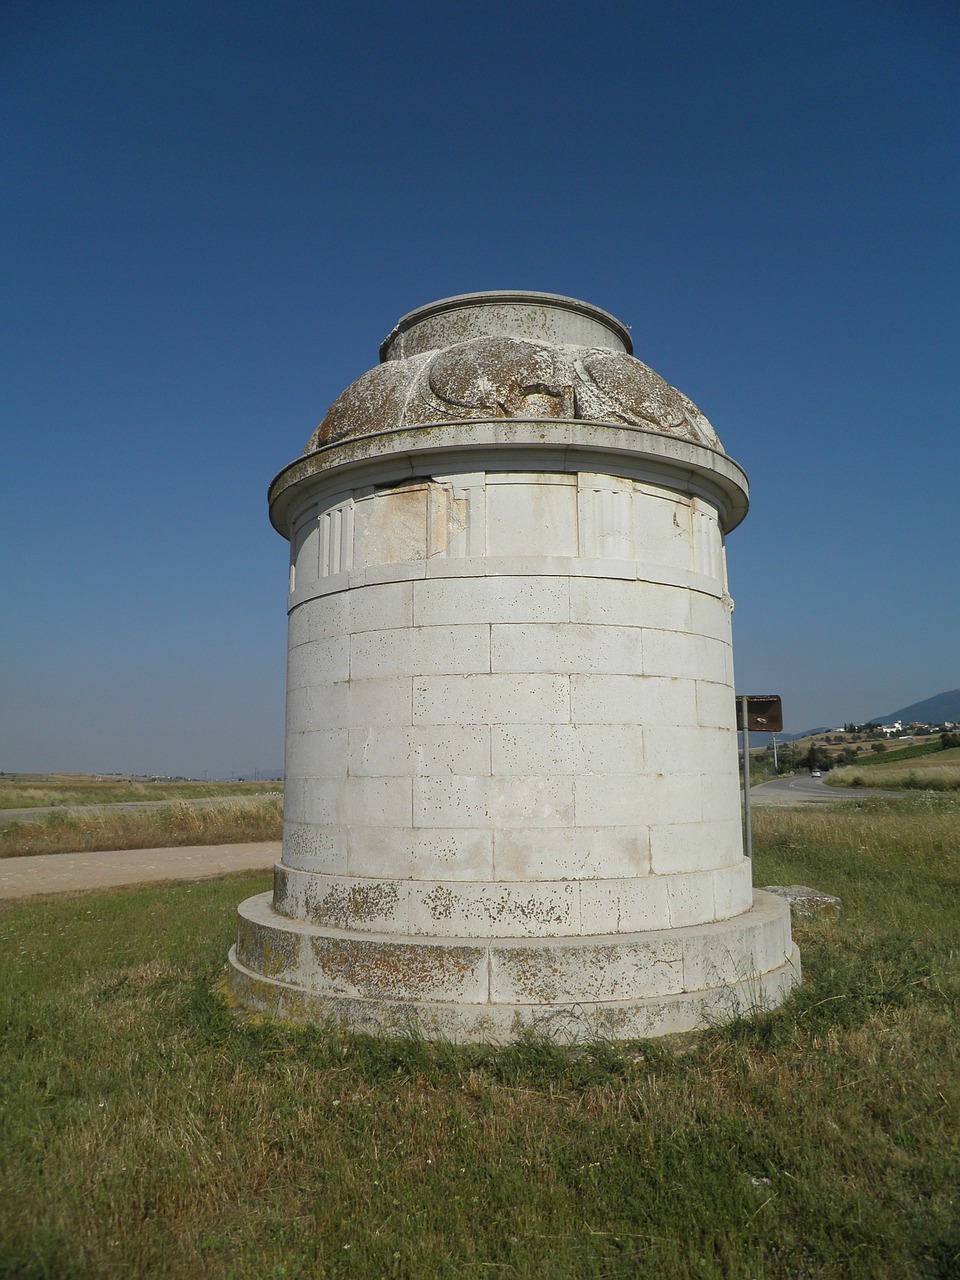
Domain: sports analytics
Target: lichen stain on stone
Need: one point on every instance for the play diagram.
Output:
(533, 975)
(393, 969)
(500, 376)
(444, 903)
(448, 852)
(378, 397)
(544, 911)
(271, 953)
(345, 905)
(545, 975)
(281, 889)
(440, 902)
(503, 377)
(300, 840)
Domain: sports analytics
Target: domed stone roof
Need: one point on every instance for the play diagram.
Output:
(509, 355)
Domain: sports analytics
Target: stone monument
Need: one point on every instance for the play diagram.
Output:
(512, 794)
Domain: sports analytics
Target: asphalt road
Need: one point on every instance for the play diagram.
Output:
(802, 789)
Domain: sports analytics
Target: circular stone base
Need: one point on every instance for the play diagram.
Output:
(620, 986)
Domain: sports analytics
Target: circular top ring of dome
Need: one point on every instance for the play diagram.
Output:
(509, 354)
(510, 371)
(504, 313)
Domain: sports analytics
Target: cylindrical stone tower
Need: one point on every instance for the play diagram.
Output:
(512, 794)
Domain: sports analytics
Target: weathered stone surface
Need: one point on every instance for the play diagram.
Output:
(507, 377)
(807, 903)
(628, 986)
(510, 907)
(540, 317)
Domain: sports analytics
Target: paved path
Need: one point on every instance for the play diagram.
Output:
(62, 872)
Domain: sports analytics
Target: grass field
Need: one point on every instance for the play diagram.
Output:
(161, 828)
(40, 790)
(937, 772)
(148, 1133)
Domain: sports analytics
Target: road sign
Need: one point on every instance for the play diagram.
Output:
(764, 712)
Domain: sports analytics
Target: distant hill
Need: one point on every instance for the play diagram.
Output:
(942, 706)
(935, 710)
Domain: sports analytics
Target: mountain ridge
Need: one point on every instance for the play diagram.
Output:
(935, 710)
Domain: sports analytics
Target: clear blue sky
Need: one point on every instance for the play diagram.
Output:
(213, 212)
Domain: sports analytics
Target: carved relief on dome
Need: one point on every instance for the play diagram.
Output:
(622, 389)
(503, 377)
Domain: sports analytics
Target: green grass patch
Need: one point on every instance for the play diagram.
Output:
(162, 828)
(897, 755)
(145, 1131)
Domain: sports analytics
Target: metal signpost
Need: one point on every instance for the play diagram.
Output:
(762, 712)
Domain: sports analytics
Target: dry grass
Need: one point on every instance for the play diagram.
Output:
(35, 791)
(165, 827)
(940, 771)
(937, 772)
